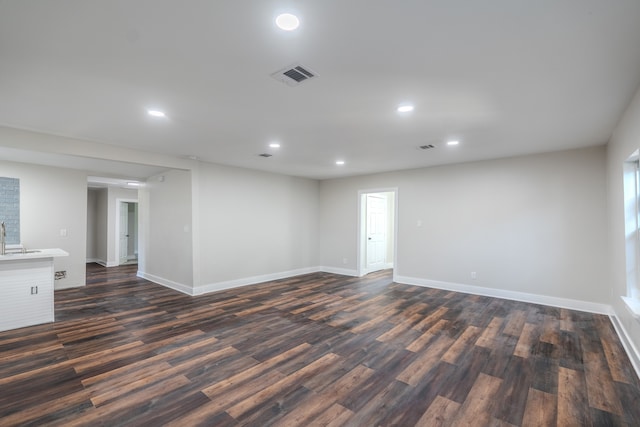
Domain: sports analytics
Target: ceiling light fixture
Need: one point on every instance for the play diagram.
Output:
(156, 113)
(287, 22)
(133, 184)
(453, 142)
(405, 108)
(340, 162)
(274, 145)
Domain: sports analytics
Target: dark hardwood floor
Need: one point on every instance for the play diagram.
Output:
(314, 350)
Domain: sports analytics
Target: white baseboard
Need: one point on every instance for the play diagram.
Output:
(104, 263)
(229, 284)
(572, 304)
(167, 283)
(245, 281)
(337, 270)
(91, 260)
(627, 343)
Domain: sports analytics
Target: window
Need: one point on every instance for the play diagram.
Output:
(10, 208)
(631, 172)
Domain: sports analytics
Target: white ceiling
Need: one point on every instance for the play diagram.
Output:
(505, 77)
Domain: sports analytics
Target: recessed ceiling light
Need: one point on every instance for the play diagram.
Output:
(156, 113)
(453, 142)
(133, 184)
(405, 108)
(274, 145)
(287, 22)
(339, 162)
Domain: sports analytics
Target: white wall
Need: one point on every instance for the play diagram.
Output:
(625, 140)
(52, 199)
(97, 225)
(165, 218)
(254, 225)
(391, 218)
(532, 224)
(102, 226)
(92, 231)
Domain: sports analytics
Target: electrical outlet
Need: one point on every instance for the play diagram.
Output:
(345, 260)
(474, 275)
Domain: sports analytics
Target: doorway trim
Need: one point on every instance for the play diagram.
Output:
(361, 242)
(119, 201)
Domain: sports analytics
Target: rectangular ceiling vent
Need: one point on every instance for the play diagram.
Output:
(294, 75)
(427, 147)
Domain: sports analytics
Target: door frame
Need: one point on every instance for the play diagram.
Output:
(117, 230)
(362, 238)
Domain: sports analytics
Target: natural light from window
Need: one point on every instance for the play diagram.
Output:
(632, 232)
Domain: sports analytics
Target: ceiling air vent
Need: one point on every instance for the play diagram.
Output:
(427, 147)
(294, 74)
(265, 155)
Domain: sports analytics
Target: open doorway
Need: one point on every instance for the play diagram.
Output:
(106, 230)
(377, 230)
(127, 232)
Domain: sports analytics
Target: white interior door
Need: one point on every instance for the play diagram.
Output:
(376, 232)
(124, 233)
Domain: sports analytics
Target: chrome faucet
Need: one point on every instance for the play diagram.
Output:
(3, 238)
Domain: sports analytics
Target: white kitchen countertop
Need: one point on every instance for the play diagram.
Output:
(33, 254)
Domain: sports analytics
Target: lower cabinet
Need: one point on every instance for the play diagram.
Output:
(26, 293)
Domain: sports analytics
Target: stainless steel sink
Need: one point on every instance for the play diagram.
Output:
(21, 252)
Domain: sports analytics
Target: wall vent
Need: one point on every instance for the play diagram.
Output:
(427, 147)
(294, 74)
(265, 155)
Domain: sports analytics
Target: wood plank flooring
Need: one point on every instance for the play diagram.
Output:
(313, 350)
